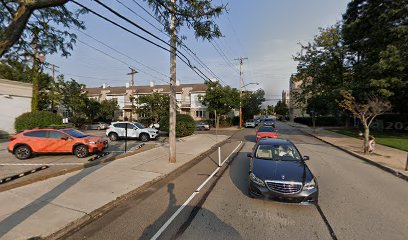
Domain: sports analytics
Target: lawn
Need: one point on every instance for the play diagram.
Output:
(394, 140)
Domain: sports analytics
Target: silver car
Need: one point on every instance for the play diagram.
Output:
(119, 130)
(98, 126)
(250, 123)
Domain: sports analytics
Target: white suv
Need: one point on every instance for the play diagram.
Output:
(134, 130)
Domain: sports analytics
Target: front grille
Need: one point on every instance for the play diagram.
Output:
(284, 187)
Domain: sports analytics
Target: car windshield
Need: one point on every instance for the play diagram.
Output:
(75, 133)
(277, 152)
(266, 129)
(139, 125)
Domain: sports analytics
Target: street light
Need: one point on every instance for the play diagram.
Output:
(240, 103)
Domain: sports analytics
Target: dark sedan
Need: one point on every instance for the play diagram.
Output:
(279, 172)
(269, 122)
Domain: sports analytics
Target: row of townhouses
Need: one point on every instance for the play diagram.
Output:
(188, 97)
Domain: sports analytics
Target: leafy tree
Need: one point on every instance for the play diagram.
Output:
(366, 112)
(154, 106)
(251, 103)
(91, 109)
(222, 99)
(281, 109)
(107, 109)
(74, 100)
(322, 69)
(375, 33)
(270, 110)
(37, 22)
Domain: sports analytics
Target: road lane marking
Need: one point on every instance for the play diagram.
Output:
(197, 191)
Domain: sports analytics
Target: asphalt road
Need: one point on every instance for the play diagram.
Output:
(357, 201)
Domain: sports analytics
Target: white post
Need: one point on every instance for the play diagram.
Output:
(219, 156)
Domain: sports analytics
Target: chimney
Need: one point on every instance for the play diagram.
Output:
(104, 85)
(127, 85)
(177, 82)
(151, 84)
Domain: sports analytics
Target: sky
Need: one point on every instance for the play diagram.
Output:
(267, 32)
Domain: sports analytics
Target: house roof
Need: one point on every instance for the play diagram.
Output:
(197, 87)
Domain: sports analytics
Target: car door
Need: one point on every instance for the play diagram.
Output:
(133, 131)
(59, 142)
(37, 140)
(120, 129)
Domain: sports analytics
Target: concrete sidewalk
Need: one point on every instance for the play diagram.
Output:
(387, 157)
(43, 208)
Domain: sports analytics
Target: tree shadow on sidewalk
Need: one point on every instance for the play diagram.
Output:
(24, 213)
(196, 223)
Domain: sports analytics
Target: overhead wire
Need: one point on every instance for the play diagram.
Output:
(204, 77)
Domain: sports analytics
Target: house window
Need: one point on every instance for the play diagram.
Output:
(200, 114)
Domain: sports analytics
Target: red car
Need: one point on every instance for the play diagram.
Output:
(266, 132)
(38, 141)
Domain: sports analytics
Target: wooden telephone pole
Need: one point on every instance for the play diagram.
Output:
(132, 72)
(241, 84)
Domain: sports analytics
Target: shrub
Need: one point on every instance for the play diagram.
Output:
(40, 119)
(185, 125)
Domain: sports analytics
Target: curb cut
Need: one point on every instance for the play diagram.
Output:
(97, 213)
(371, 162)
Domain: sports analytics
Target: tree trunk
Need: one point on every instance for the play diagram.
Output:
(366, 136)
(173, 104)
(217, 124)
(36, 77)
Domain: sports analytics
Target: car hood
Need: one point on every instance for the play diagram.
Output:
(93, 138)
(150, 129)
(281, 170)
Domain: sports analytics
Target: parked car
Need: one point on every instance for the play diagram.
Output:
(250, 123)
(117, 130)
(269, 122)
(279, 172)
(202, 126)
(266, 132)
(40, 141)
(98, 126)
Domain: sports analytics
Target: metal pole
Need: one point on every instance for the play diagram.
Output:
(215, 124)
(219, 156)
(126, 137)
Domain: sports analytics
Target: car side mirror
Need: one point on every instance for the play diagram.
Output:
(305, 158)
(64, 138)
(249, 155)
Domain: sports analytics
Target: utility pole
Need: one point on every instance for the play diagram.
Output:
(173, 104)
(241, 84)
(53, 69)
(132, 72)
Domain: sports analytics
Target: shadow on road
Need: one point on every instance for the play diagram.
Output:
(209, 226)
(239, 172)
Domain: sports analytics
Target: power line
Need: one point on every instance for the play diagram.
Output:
(187, 62)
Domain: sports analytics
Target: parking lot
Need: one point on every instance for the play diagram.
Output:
(56, 163)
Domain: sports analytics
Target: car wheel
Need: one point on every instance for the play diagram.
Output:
(113, 136)
(144, 137)
(22, 152)
(81, 151)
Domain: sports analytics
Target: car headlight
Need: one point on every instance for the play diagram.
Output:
(93, 142)
(310, 185)
(152, 132)
(256, 179)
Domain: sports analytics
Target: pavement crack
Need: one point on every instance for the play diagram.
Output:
(326, 222)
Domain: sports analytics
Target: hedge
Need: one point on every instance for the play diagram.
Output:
(185, 125)
(39, 119)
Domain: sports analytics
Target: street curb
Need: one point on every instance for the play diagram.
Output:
(97, 213)
(371, 162)
(91, 162)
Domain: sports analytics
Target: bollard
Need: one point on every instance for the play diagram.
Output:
(219, 156)
(406, 164)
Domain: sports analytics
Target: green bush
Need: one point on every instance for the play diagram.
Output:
(185, 125)
(40, 119)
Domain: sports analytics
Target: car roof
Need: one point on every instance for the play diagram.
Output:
(271, 141)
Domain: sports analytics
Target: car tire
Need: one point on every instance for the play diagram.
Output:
(113, 137)
(22, 152)
(144, 137)
(81, 151)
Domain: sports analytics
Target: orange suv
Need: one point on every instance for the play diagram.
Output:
(37, 141)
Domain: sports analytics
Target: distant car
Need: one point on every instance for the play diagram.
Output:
(250, 123)
(98, 126)
(266, 132)
(40, 141)
(202, 126)
(117, 130)
(279, 172)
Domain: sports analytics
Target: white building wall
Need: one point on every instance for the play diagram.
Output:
(195, 100)
(120, 99)
(15, 99)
